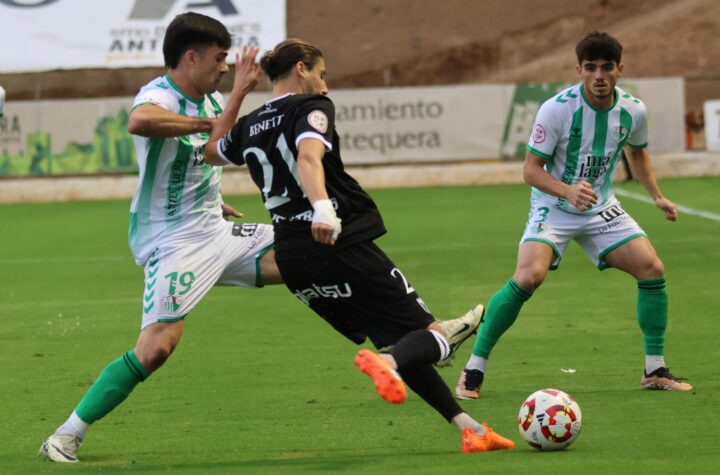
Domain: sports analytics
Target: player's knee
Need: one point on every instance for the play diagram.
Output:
(154, 356)
(530, 279)
(652, 270)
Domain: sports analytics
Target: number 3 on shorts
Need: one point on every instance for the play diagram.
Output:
(542, 214)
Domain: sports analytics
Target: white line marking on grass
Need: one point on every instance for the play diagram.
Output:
(61, 260)
(684, 209)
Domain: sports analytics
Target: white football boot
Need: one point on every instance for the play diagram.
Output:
(60, 448)
(459, 330)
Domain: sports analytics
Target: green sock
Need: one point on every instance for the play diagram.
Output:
(502, 310)
(652, 314)
(111, 388)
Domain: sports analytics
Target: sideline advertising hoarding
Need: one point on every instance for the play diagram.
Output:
(376, 126)
(77, 34)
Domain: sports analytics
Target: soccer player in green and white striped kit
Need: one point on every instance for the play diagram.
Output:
(176, 230)
(577, 140)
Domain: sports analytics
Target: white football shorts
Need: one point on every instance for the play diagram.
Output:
(597, 234)
(177, 276)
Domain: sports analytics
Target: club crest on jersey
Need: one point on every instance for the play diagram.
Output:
(620, 133)
(318, 120)
(539, 134)
(171, 303)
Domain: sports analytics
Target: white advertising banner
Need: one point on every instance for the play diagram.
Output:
(376, 126)
(711, 112)
(41, 35)
(421, 123)
(665, 102)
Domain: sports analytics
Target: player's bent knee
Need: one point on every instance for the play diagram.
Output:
(153, 354)
(654, 269)
(153, 357)
(530, 279)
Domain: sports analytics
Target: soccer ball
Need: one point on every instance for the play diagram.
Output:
(549, 419)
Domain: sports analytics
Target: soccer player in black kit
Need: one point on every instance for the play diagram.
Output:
(325, 224)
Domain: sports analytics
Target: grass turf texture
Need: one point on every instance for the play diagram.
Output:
(259, 384)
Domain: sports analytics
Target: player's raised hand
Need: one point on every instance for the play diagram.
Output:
(582, 196)
(668, 207)
(247, 72)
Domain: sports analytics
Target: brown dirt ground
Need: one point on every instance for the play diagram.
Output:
(370, 43)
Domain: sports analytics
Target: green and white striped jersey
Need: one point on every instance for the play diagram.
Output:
(580, 142)
(178, 195)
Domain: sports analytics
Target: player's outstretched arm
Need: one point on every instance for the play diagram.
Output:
(580, 195)
(640, 162)
(149, 120)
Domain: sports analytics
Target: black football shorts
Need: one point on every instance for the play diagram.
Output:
(359, 291)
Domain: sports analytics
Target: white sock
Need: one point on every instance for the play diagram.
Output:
(653, 362)
(442, 343)
(476, 362)
(73, 426)
(462, 421)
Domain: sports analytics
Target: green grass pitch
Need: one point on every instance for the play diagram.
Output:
(259, 384)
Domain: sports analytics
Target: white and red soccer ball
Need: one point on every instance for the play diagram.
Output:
(549, 419)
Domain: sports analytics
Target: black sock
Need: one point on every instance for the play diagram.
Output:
(419, 347)
(427, 383)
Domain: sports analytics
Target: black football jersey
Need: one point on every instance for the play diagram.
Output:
(266, 141)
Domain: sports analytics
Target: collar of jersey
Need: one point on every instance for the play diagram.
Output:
(180, 91)
(615, 101)
(280, 97)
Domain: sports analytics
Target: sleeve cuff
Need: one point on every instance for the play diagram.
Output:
(539, 153)
(312, 135)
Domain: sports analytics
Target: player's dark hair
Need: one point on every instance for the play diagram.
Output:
(191, 31)
(598, 45)
(278, 62)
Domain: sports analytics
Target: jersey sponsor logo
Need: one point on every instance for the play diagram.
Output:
(304, 216)
(539, 134)
(318, 120)
(611, 213)
(177, 182)
(252, 232)
(269, 109)
(614, 223)
(245, 229)
(326, 291)
(593, 166)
